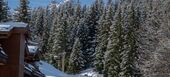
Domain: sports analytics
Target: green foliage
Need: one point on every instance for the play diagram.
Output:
(130, 57)
(121, 53)
(75, 38)
(4, 16)
(88, 34)
(102, 37)
(76, 62)
(39, 22)
(115, 48)
(23, 10)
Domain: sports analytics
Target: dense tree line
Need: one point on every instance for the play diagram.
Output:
(119, 38)
(85, 37)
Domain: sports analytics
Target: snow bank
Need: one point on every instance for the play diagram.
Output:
(5, 27)
(49, 70)
(32, 49)
(90, 73)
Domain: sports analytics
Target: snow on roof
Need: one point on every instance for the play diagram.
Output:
(32, 49)
(2, 52)
(51, 71)
(31, 69)
(15, 24)
(7, 26)
(28, 67)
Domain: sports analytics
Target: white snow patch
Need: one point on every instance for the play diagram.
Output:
(5, 27)
(2, 51)
(32, 49)
(90, 73)
(51, 71)
(66, 1)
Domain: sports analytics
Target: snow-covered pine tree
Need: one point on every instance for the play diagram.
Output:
(47, 27)
(3, 10)
(76, 62)
(77, 18)
(101, 45)
(82, 34)
(61, 43)
(99, 6)
(102, 36)
(130, 52)
(69, 7)
(89, 43)
(39, 26)
(115, 47)
(91, 18)
(49, 20)
(53, 20)
(23, 10)
(50, 54)
(32, 21)
(73, 25)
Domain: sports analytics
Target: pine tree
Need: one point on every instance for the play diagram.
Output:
(23, 15)
(103, 34)
(51, 44)
(32, 23)
(3, 11)
(52, 21)
(101, 48)
(46, 32)
(61, 43)
(76, 61)
(130, 53)
(73, 13)
(90, 20)
(115, 48)
(39, 23)
(82, 34)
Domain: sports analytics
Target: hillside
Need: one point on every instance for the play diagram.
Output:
(109, 38)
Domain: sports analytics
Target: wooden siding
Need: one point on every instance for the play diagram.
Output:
(14, 47)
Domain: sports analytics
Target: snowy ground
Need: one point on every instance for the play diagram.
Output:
(90, 73)
(51, 71)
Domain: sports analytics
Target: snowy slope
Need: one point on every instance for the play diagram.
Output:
(51, 71)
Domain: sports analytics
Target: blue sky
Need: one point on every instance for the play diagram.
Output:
(36, 3)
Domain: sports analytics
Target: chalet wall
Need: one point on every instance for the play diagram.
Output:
(14, 48)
